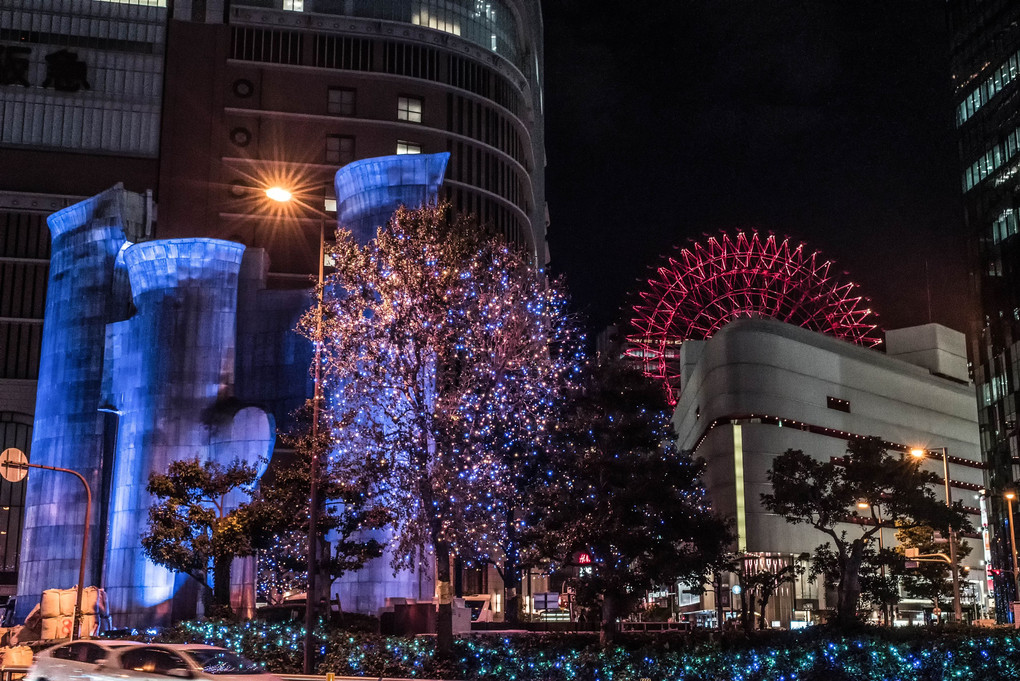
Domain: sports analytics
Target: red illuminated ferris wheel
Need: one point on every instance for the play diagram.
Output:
(709, 284)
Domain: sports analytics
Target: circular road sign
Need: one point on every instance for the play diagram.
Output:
(13, 465)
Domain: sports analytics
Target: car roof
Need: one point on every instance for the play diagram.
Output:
(105, 643)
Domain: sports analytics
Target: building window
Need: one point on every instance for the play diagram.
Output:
(339, 149)
(837, 404)
(341, 101)
(405, 147)
(409, 109)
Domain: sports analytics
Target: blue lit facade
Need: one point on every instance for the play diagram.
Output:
(138, 370)
(170, 376)
(369, 191)
(170, 349)
(68, 432)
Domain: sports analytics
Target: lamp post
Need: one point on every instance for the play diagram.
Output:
(863, 504)
(921, 454)
(282, 195)
(1012, 540)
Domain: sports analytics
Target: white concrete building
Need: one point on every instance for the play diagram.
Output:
(760, 387)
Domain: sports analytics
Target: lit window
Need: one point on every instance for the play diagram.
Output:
(409, 109)
(339, 149)
(405, 147)
(423, 18)
(341, 101)
(294, 5)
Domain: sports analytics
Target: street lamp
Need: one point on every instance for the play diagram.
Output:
(279, 194)
(282, 195)
(864, 505)
(1012, 540)
(921, 454)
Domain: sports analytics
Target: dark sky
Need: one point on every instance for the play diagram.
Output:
(828, 121)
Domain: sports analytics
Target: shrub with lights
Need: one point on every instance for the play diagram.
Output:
(819, 654)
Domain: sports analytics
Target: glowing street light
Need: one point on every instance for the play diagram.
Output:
(864, 505)
(1010, 496)
(919, 454)
(279, 194)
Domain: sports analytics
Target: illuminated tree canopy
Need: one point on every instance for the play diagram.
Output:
(728, 277)
(444, 353)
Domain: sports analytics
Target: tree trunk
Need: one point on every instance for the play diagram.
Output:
(221, 586)
(610, 610)
(849, 592)
(764, 602)
(746, 616)
(511, 573)
(444, 615)
(718, 600)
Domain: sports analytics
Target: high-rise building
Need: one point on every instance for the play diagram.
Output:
(283, 92)
(80, 97)
(986, 77)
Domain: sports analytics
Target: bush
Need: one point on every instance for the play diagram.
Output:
(816, 654)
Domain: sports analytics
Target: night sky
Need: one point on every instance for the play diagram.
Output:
(827, 121)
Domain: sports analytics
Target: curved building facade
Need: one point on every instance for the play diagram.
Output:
(285, 93)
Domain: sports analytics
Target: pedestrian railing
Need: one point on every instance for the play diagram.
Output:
(12, 673)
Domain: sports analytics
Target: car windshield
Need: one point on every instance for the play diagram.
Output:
(223, 662)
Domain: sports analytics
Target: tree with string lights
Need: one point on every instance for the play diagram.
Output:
(625, 498)
(443, 355)
(346, 512)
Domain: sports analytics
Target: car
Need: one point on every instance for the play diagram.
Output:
(177, 661)
(72, 661)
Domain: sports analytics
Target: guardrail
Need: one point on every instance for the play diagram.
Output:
(12, 673)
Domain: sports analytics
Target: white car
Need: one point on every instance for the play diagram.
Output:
(72, 661)
(177, 661)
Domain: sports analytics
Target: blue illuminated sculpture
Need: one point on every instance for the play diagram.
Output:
(164, 350)
(370, 190)
(147, 332)
(171, 376)
(87, 238)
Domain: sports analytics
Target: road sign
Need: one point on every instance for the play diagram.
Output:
(13, 465)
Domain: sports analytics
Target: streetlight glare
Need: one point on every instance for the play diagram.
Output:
(863, 504)
(278, 194)
(918, 453)
(1011, 495)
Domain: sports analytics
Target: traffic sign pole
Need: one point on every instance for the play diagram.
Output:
(14, 467)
